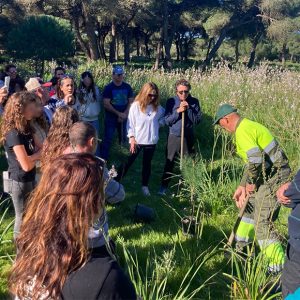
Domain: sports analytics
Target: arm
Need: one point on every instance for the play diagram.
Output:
(27, 162)
(161, 119)
(114, 191)
(38, 143)
(171, 114)
(109, 107)
(130, 100)
(131, 122)
(194, 112)
(293, 189)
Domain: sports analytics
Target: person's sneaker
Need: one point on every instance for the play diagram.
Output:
(162, 191)
(146, 191)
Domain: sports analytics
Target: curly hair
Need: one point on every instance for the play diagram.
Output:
(53, 241)
(13, 117)
(58, 137)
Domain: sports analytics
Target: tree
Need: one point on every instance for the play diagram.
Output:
(41, 38)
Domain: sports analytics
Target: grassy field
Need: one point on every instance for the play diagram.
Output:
(162, 262)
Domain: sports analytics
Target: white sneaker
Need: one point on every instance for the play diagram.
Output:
(146, 191)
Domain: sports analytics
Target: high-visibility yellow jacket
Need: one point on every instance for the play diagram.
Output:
(260, 151)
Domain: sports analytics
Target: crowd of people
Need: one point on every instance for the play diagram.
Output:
(60, 185)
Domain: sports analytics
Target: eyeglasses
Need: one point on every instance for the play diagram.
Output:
(154, 96)
(184, 92)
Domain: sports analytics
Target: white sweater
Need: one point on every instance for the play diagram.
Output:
(145, 126)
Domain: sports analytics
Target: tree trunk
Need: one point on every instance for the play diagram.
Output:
(209, 47)
(137, 39)
(83, 45)
(112, 45)
(146, 42)
(166, 39)
(159, 49)
(90, 32)
(126, 40)
(215, 48)
(158, 55)
(283, 53)
(253, 51)
(177, 49)
(237, 53)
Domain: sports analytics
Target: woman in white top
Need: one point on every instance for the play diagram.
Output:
(144, 119)
(90, 102)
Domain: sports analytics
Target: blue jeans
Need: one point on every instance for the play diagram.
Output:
(96, 125)
(110, 126)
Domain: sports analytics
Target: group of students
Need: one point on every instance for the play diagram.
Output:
(50, 135)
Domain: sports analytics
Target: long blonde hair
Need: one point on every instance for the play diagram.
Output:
(58, 137)
(53, 241)
(143, 96)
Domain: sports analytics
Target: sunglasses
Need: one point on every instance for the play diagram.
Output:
(183, 92)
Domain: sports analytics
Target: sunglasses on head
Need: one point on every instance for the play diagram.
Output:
(184, 92)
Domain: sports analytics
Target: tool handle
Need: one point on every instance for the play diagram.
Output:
(237, 222)
(182, 139)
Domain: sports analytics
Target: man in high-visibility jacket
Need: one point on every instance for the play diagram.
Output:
(266, 169)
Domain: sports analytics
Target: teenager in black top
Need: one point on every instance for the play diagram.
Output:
(54, 261)
(22, 149)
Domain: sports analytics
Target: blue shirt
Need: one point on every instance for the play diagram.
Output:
(118, 95)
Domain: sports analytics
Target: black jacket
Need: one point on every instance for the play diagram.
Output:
(293, 193)
(100, 278)
(173, 118)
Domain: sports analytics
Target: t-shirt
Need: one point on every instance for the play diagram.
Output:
(99, 278)
(15, 138)
(118, 95)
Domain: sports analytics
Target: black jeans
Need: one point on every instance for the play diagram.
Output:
(148, 152)
(290, 277)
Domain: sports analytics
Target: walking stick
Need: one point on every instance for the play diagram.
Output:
(181, 150)
(182, 140)
(237, 222)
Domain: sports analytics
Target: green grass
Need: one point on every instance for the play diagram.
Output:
(158, 257)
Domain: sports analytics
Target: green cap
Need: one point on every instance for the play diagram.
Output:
(223, 110)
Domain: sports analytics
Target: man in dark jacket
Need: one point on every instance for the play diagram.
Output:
(183, 102)
(289, 195)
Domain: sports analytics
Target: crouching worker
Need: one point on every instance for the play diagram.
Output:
(54, 260)
(289, 195)
(266, 169)
(83, 139)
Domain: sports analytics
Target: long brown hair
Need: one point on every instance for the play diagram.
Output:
(59, 93)
(143, 96)
(53, 241)
(58, 137)
(13, 117)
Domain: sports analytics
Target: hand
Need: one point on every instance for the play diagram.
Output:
(3, 94)
(280, 194)
(183, 107)
(122, 116)
(132, 145)
(69, 99)
(239, 196)
(250, 188)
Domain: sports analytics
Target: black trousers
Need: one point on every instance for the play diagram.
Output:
(173, 150)
(148, 152)
(290, 277)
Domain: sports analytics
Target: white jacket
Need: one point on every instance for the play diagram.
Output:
(144, 126)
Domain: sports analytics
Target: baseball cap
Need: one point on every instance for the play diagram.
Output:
(223, 110)
(118, 70)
